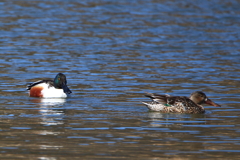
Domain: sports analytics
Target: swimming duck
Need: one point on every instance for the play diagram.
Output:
(56, 88)
(179, 104)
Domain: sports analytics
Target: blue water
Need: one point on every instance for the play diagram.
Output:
(112, 52)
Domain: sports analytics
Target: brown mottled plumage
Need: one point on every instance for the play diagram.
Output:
(179, 104)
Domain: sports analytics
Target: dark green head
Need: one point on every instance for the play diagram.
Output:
(60, 82)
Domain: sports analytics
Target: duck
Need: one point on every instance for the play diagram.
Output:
(179, 104)
(56, 88)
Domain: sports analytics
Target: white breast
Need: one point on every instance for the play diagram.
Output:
(51, 92)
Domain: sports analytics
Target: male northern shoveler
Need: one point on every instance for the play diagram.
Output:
(56, 88)
(179, 104)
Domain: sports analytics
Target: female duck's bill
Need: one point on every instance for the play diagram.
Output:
(56, 88)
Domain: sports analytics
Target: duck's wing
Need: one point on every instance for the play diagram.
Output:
(171, 100)
(159, 98)
(49, 82)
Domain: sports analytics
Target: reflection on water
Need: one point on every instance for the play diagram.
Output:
(112, 52)
(49, 101)
(51, 109)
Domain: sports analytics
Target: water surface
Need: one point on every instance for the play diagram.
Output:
(112, 52)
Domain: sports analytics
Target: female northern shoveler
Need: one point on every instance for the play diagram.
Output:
(56, 88)
(179, 104)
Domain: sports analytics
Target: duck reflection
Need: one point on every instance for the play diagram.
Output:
(158, 119)
(51, 110)
(49, 101)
